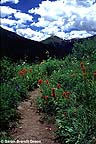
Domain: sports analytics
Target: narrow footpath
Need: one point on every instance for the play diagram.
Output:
(30, 127)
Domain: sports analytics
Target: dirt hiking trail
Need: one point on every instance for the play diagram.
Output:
(30, 127)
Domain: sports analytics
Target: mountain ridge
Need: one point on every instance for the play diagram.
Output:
(16, 47)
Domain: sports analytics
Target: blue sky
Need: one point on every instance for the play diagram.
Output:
(39, 19)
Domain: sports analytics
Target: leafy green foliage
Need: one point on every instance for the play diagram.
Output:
(16, 80)
(85, 50)
(67, 92)
(8, 102)
(74, 102)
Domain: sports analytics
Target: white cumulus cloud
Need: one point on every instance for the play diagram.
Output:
(12, 1)
(64, 16)
(8, 28)
(23, 16)
(9, 22)
(30, 34)
(14, 18)
(7, 11)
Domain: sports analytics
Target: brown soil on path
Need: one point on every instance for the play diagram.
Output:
(30, 129)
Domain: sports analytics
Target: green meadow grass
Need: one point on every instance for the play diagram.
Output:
(67, 92)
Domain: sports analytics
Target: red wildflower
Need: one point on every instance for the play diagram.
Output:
(81, 65)
(53, 89)
(58, 86)
(47, 82)
(46, 97)
(53, 92)
(22, 72)
(66, 94)
(40, 81)
(65, 114)
(30, 70)
(84, 69)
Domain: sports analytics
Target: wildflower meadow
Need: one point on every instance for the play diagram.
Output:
(67, 92)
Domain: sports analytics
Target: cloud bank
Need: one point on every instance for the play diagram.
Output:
(12, 1)
(64, 18)
(14, 18)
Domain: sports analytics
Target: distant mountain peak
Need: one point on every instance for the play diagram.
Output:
(54, 36)
(53, 39)
(15, 46)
